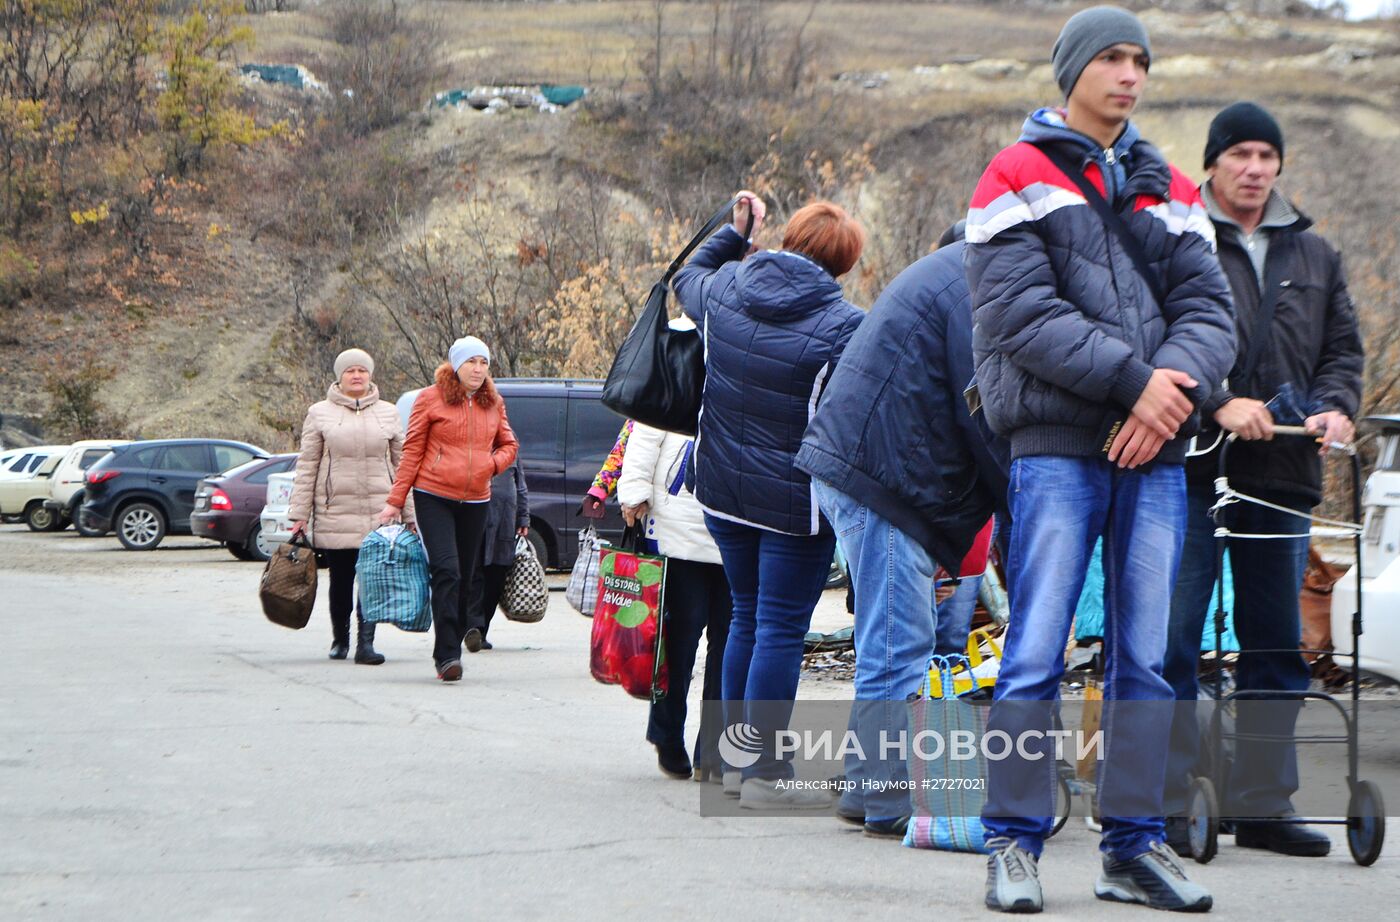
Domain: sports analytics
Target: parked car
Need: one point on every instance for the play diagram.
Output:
(565, 434)
(68, 479)
(1380, 562)
(23, 497)
(227, 507)
(145, 490)
(276, 523)
(25, 462)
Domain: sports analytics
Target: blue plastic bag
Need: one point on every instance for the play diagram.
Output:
(393, 575)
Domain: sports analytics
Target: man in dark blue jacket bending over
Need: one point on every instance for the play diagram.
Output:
(1101, 321)
(907, 479)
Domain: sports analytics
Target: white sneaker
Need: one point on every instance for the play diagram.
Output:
(731, 782)
(767, 794)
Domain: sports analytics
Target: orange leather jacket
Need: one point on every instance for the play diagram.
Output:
(455, 444)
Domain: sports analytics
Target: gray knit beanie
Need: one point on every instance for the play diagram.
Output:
(1086, 34)
(350, 358)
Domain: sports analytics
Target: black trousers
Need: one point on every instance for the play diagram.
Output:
(340, 561)
(452, 532)
(489, 582)
(698, 602)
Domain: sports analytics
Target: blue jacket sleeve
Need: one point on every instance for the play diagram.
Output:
(848, 329)
(522, 500)
(692, 283)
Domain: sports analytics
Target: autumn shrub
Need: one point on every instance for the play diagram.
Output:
(77, 409)
(18, 274)
(384, 63)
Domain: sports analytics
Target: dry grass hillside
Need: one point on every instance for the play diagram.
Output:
(381, 221)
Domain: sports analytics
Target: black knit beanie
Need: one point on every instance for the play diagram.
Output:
(1240, 122)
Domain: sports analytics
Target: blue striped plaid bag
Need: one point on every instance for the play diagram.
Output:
(393, 576)
(947, 793)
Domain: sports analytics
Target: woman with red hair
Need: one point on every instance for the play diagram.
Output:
(775, 324)
(458, 439)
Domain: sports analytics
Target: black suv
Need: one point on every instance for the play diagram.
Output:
(145, 490)
(565, 434)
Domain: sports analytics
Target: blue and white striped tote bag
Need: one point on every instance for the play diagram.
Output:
(393, 577)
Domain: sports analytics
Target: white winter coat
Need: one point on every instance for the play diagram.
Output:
(649, 469)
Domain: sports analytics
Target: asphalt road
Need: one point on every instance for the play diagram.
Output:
(165, 753)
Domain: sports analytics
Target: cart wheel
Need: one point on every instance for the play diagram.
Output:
(1064, 805)
(1365, 823)
(1203, 820)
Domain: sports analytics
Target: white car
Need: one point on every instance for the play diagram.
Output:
(25, 462)
(22, 497)
(1380, 564)
(67, 494)
(276, 525)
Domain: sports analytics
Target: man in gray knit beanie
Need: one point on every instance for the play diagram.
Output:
(1101, 321)
(1086, 34)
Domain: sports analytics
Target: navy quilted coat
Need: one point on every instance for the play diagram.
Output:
(894, 431)
(1066, 332)
(775, 325)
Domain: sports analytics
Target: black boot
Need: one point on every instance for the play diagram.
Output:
(364, 646)
(340, 639)
(673, 761)
(1284, 838)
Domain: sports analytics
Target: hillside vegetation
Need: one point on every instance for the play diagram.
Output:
(183, 250)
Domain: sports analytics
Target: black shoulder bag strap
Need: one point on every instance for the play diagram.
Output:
(1111, 219)
(717, 220)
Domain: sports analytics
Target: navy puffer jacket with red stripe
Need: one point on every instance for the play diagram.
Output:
(775, 325)
(1066, 331)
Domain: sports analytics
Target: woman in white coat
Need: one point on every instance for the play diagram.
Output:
(697, 597)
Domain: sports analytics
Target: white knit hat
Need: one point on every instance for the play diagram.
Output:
(468, 347)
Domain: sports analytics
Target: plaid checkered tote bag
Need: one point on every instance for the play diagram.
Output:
(582, 592)
(524, 597)
(393, 576)
(948, 793)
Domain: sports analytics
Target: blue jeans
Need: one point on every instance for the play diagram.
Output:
(776, 580)
(955, 618)
(895, 634)
(1059, 507)
(1268, 577)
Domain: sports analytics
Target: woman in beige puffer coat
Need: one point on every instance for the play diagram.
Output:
(350, 448)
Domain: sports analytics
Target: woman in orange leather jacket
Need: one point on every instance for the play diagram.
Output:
(458, 439)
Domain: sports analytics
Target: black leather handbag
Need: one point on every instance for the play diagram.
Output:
(658, 375)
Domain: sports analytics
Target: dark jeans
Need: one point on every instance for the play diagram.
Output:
(698, 602)
(775, 581)
(341, 564)
(452, 534)
(487, 585)
(1268, 577)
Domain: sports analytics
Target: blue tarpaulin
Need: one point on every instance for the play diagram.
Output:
(276, 73)
(562, 94)
(1088, 621)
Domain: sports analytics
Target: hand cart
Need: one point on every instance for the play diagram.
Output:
(1365, 819)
